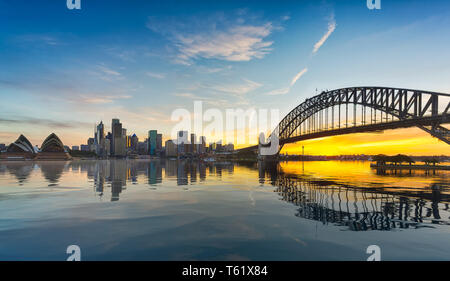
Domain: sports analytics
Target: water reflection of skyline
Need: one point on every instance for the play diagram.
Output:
(117, 174)
(326, 200)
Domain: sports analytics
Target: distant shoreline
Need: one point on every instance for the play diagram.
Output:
(411, 167)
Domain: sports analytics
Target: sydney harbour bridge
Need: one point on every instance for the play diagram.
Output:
(362, 109)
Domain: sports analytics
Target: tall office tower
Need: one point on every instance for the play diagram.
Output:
(219, 146)
(134, 142)
(100, 132)
(193, 147)
(202, 145)
(91, 144)
(116, 129)
(158, 143)
(152, 134)
(125, 139)
(119, 140)
(171, 149)
(182, 140)
(100, 139)
(107, 147)
(108, 144)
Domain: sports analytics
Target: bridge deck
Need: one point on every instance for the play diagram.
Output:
(377, 127)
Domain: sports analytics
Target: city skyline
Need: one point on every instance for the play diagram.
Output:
(143, 61)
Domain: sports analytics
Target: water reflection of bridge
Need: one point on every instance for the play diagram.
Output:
(360, 208)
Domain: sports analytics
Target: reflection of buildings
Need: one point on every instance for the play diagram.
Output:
(52, 171)
(118, 178)
(154, 172)
(182, 173)
(21, 170)
(361, 209)
(116, 174)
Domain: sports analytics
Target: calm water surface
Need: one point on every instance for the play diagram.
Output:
(175, 210)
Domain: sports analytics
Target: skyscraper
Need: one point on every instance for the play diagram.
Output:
(100, 132)
(193, 148)
(152, 135)
(116, 127)
(158, 143)
(118, 139)
(202, 146)
(171, 149)
(182, 140)
(134, 142)
(100, 140)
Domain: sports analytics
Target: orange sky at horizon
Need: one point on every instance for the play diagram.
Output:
(410, 141)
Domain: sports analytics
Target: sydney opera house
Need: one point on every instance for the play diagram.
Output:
(51, 149)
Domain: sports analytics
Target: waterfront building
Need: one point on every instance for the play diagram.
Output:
(53, 149)
(158, 143)
(20, 149)
(193, 144)
(109, 139)
(142, 148)
(100, 147)
(212, 147)
(134, 140)
(152, 134)
(219, 146)
(2, 147)
(84, 148)
(116, 131)
(202, 145)
(171, 148)
(75, 148)
(118, 139)
(91, 144)
(107, 152)
(182, 142)
(229, 147)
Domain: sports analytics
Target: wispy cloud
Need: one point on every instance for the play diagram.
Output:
(187, 95)
(300, 74)
(239, 89)
(43, 122)
(90, 99)
(217, 39)
(281, 91)
(210, 70)
(108, 71)
(156, 75)
(286, 90)
(39, 38)
(331, 27)
(213, 101)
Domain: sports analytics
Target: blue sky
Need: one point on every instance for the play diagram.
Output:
(63, 70)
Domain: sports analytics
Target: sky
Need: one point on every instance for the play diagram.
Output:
(65, 70)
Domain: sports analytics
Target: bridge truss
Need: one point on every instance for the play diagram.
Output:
(366, 109)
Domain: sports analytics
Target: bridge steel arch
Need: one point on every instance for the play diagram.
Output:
(424, 109)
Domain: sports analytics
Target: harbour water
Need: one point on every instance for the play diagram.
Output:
(181, 210)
